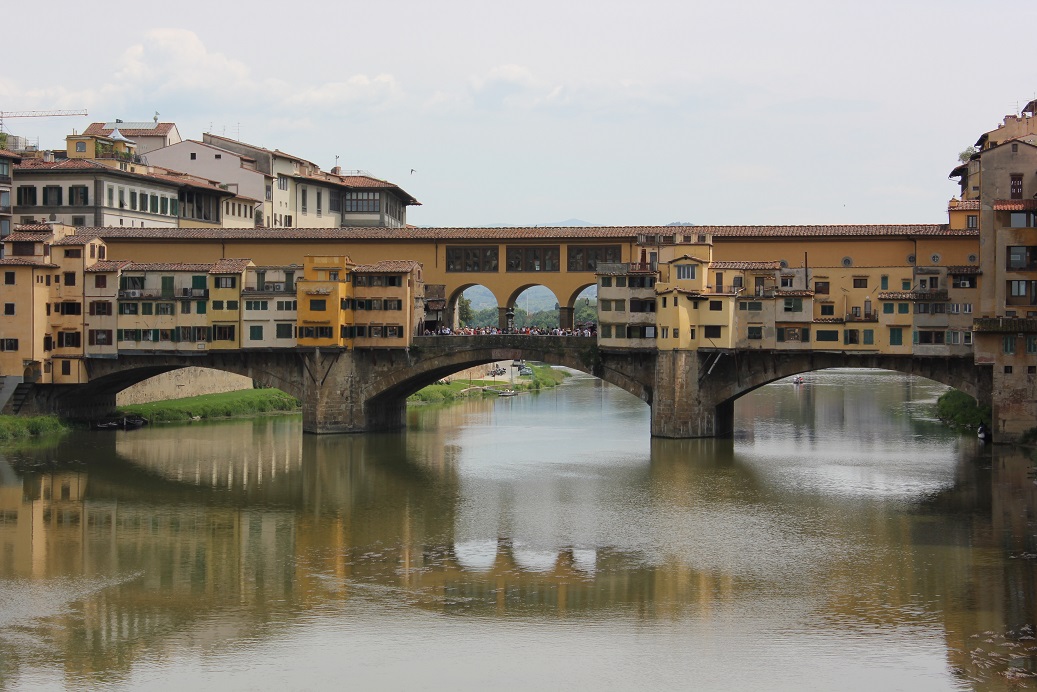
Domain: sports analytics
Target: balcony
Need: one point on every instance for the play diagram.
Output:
(270, 287)
(159, 294)
(872, 316)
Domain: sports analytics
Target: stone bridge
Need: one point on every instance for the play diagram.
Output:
(691, 393)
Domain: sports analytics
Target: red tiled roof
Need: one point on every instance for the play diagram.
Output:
(1004, 324)
(8, 154)
(230, 266)
(166, 267)
(160, 130)
(1015, 204)
(745, 265)
(392, 266)
(793, 294)
(61, 164)
(26, 262)
(107, 265)
(32, 227)
(165, 175)
(20, 236)
(963, 205)
(74, 240)
(964, 269)
(829, 320)
(602, 233)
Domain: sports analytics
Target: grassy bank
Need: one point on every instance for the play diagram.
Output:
(543, 376)
(21, 428)
(246, 402)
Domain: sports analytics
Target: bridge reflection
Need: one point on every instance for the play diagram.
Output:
(153, 535)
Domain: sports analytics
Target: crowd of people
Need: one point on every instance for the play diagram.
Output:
(528, 331)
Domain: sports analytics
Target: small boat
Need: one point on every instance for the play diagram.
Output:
(797, 380)
(507, 392)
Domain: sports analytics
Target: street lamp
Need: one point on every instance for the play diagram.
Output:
(510, 314)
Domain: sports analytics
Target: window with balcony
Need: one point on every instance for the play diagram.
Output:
(1016, 186)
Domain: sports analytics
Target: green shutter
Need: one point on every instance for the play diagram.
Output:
(869, 336)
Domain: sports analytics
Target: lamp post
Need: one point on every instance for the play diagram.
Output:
(510, 314)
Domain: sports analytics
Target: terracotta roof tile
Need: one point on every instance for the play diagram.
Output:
(107, 265)
(74, 240)
(964, 269)
(1015, 204)
(391, 266)
(829, 320)
(1004, 324)
(29, 236)
(793, 294)
(26, 262)
(230, 266)
(913, 295)
(963, 205)
(602, 233)
(745, 265)
(8, 154)
(160, 130)
(166, 267)
(32, 227)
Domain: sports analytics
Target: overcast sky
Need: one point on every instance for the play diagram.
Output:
(617, 113)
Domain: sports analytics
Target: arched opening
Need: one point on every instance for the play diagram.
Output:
(536, 308)
(181, 384)
(584, 306)
(472, 306)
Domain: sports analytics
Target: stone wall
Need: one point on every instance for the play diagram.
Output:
(180, 384)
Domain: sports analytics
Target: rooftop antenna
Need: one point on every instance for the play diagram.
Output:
(156, 117)
(336, 160)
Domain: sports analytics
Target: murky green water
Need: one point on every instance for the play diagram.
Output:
(842, 540)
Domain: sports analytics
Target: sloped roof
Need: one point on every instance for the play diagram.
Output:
(131, 129)
(230, 266)
(26, 262)
(390, 266)
(107, 265)
(602, 233)
(745, 265)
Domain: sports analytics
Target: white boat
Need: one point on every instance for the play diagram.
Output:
(506, 392)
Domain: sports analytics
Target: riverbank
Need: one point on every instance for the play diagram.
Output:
(21, 428)
(242, 403)
(543, 377)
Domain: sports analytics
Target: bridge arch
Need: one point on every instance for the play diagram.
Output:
(728, 376)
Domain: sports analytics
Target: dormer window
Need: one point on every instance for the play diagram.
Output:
(686, 272)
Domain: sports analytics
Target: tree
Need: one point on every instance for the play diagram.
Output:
(964, 156)
(464, 310)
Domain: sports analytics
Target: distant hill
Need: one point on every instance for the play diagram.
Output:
(552, 224)
(680, 223)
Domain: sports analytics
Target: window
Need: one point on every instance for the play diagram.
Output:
(225, 281)
(8, 308)
(362, 201)
(472, 259)
(851, 336)
(69, 340)
(26, 196)
(1008, 344)
(223, 332)
(533, 259)
(164, 309)
(101, 307)
(319, 196)
(9, 278)
(905, 284)
(1031, 344)
(860, 282)
(972, 221)
(302, 199)
(903, 308)
(887, 308)
(750, 305)
(827, 310)
(283, 330)
(255, 332)
(884, 283)
(869, 336)
(8, 344)
(716, 305)
(793, 305)
(318, 304)
(147, 308)
(786, 281)
(1008, 369)
(606, 282)
(896, 336)
(686, 272)
(216, 305)
(66, 367)
(52, 195)
(821, 287)
(70, 278)
(827, 335)
(586, 258)
(1016, 187)
(755, 333)
(99, 337)
(73, 253)
(711, 331)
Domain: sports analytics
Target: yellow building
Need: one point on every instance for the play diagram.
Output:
(325, 302)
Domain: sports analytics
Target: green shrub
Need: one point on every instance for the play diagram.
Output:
(961, 410)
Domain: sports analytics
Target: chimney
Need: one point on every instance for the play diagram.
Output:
(48, 156)
(337, 170)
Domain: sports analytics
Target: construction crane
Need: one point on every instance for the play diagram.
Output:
(38, 114)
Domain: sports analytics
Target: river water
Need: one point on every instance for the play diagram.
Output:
(843, 540)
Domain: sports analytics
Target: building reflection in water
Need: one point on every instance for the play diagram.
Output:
(117, 546)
